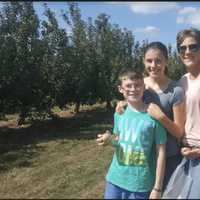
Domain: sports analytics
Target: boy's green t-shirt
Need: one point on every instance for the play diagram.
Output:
(134, 162)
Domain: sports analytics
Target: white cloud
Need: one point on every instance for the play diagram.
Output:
(117, 2)
(189, 16)
(187, 10)
(153, 7)
(148, 30)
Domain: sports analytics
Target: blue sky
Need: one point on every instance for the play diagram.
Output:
(155, 21)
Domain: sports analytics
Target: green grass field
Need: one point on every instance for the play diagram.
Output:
(56, 159)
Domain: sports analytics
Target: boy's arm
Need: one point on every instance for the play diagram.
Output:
(107, 138)
(160, 170)
(103, 139)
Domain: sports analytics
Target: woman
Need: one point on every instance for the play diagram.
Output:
(188, 45)
(167, 102)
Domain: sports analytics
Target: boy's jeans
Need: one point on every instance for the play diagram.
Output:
(115, 192)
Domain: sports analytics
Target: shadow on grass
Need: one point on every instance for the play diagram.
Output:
(18, 145)
(13, 155)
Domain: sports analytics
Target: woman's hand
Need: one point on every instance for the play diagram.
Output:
(155, 111)
(120, 107)
(190, 153)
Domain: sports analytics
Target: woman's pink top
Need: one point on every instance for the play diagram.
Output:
(192, 126)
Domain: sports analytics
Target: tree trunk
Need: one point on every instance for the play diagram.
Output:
(108, 105)
(2, 116)
(77, 107)
(21, 118)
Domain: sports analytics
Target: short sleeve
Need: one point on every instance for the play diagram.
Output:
(116, 124)
(178, 96)
(160, 134)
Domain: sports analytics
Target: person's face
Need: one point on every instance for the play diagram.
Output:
(132, 90)
(155, 63)
(189, 52)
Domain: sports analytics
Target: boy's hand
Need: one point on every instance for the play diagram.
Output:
(190, 153)
(120, 107)
(103, 139)
(155, 195)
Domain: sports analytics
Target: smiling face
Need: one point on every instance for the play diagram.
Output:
(190, 57)
(132, 89)
(155, 63)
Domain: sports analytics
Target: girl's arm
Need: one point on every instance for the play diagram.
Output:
(121, 105)
(160, 170)
(176, 127)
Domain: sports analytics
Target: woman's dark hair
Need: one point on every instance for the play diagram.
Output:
(157, 45)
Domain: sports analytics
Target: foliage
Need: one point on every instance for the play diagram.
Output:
(42, 66)
(175, 68)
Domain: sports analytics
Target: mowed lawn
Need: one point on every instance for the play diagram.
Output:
(55, 158)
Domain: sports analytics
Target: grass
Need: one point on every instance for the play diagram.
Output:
(55, 159)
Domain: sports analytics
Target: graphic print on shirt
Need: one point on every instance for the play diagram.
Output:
(133, 142)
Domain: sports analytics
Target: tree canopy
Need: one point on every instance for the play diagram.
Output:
(43, 65)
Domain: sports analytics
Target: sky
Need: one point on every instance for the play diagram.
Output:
(155, 21)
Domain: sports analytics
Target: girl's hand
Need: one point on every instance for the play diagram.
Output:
(120, 107)
(155, 111)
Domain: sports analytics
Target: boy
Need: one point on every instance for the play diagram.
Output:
(134, 172)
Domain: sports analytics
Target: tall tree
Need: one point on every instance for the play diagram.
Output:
(55, 61)
(79, 64)
(105, 54)
(115, 50)
(19, 27)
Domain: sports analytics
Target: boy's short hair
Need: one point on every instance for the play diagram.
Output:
(191, 32)
(129, 73)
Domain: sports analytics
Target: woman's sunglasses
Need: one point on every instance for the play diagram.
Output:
(192, 47)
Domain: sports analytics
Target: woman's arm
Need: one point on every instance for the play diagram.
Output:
(176, 127)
